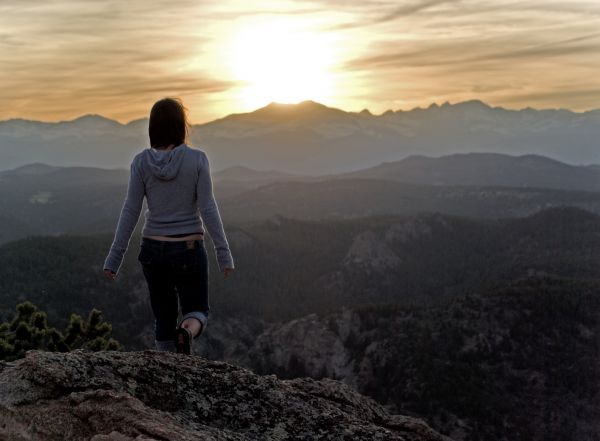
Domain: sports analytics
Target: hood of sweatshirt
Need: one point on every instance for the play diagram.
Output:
(165, 164)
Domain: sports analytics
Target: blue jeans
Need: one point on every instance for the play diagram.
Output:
(175, 270)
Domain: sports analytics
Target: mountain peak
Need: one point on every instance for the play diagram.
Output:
(303, 105)
(465, 105)
(91, 122)
(138, 121)
(94, 118)
(35, 168)
(303, 111)
(472, 104)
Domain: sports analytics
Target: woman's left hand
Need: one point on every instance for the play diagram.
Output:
(227, 271)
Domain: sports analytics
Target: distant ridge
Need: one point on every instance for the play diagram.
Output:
(467, 169)
(310, 105)
(310, 138)
(50, 200)
(36, 168)
(486, 169)
(241, 173)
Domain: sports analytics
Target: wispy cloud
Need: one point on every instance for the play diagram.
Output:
(486, 49)
(502, 52)
(61, 59)
(391, 13)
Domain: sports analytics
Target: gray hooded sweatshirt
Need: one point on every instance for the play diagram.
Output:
(178, 189)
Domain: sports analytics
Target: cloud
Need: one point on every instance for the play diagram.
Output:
(394, 13)
(411, 8)
(467, 52)
(93, 57)
(64, 58)
(497, 51)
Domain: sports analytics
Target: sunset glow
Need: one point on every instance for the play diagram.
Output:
(66, 58)
(279, 61)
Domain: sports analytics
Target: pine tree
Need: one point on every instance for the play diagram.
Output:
(29, 330)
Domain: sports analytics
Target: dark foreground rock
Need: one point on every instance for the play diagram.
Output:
(151, 395)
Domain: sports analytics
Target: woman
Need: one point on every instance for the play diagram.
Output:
(176, 181)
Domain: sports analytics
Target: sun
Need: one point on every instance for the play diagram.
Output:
(281, 61)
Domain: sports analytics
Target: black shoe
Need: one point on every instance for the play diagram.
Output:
(183, 341)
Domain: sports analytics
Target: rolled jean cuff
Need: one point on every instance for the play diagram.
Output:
(166, 345)
(202, 317)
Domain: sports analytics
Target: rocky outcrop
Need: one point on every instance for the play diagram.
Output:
(308, 346)
(151, 395)
(370, 253)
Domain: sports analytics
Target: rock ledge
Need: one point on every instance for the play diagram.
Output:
(150, 395)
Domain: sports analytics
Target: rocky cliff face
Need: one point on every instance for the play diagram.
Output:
(151, 395)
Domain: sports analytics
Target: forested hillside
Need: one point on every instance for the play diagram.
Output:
(517, 363)
(289, 268)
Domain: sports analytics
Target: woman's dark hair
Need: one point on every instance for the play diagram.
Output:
(168, 123)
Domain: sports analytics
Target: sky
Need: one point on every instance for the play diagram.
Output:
(63, 59)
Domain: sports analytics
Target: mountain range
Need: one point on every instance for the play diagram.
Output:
(51, 200)
(313, 139)
(486, 169)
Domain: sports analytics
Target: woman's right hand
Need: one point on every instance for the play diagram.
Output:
(109, 274)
